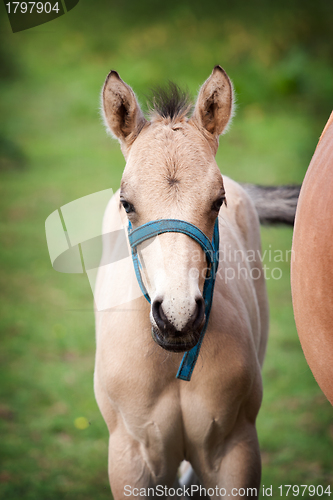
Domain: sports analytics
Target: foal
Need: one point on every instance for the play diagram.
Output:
(156, 420)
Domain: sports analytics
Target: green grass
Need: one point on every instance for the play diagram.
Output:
(54, 149)
(295, 422)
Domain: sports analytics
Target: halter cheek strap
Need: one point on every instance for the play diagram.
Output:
(153, 228)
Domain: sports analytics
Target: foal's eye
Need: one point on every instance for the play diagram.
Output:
(218, 203)
(128, 207)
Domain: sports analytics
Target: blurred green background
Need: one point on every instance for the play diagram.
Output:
(54, 149)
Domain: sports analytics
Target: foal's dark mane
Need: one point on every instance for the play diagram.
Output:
(169, 102)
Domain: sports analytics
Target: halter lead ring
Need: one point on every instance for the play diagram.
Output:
(154, 228)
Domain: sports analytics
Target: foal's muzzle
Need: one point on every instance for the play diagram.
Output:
(167, 336)
(189, 339)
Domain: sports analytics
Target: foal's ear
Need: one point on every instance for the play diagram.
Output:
(122, 113)
(213, 109)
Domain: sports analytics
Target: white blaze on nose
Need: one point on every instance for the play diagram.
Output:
(179, 310)
(177, 296)
(171, 278)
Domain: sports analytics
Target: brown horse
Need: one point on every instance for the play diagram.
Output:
(155, 420)
(312, 268)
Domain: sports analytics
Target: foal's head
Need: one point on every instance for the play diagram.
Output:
(171, 173)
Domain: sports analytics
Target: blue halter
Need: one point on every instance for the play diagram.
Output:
(153, 228)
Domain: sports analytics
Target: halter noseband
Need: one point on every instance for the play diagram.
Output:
(153, 228)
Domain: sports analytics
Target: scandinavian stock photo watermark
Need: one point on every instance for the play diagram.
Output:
(250, 264)
(80, 242)
(187, 492)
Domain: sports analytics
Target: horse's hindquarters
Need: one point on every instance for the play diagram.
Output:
(312, 264)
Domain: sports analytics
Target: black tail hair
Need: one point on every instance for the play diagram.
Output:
(274, 204)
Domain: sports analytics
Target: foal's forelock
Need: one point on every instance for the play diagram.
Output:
(170, 103)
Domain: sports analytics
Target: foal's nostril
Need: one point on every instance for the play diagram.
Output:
(158, 314)
(199, 314)
(168, 329)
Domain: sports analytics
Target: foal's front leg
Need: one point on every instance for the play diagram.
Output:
(133, 469)
(237, 474)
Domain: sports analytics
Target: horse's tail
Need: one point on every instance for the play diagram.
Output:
(274, 204)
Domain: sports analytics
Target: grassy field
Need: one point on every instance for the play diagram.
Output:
(54, 149)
